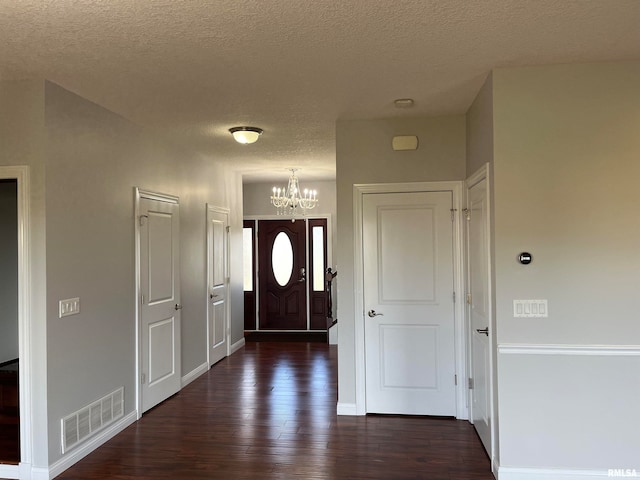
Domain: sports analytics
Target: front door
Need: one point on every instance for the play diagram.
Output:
(217, 223)
(408, 298)
(159, 268)
(282, 275)
(479, 309)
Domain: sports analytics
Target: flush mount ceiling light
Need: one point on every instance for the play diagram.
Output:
(246, 135)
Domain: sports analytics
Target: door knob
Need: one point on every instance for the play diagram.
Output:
(372, 313)
(483, 330)
(178, 306)
(302, 275)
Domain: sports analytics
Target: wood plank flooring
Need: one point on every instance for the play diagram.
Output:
(9, 439)
(9, 413)
(268, 412)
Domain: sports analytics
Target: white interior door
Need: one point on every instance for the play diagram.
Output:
(159, 228)
(408, 298)
(217, 311)
(479, 304)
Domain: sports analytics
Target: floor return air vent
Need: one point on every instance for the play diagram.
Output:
(80, 425)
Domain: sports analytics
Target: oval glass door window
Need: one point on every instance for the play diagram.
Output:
(282, 259)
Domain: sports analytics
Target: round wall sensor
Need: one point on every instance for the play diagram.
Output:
(525, 258)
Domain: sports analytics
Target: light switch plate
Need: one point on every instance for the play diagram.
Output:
(530, 308)
(70, 306)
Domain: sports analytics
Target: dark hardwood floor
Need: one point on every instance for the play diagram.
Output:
(9, 413)
(268, 412)
(9, 439)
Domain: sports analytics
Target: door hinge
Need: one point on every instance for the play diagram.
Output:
(142, 299)
(468, 298)
(455, 379)
(141, 219)
(454, 297)
(467, 213)
(228, 228)
(453, 213)
(471, 384)
(143, 378)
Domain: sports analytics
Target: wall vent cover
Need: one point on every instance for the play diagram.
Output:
(87, 421)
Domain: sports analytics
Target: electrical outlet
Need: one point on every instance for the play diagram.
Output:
(70, 306)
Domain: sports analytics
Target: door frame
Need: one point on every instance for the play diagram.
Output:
(25, 307)
(483, 173)
(138, 195)
(255, 218)
(227, 260)
(456, 188)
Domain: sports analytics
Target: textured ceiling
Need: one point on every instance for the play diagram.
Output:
(192, 69)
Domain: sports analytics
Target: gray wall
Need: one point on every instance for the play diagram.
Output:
(364, 155)
(22, 140)
(94, 160)
(255, 196)
(81, 244)
(480, 152)
(566, 170)
(256, 201)
(479, 137)
(8, 270)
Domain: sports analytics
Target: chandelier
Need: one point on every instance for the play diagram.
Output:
(291, 200)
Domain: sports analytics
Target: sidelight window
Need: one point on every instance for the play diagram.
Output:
(318, 257)
(247, 256)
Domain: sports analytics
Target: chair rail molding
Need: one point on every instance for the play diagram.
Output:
(561, 349)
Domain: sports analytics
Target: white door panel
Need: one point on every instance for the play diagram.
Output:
(161, 341)
(404, 346)
(479, 309)
(159, 225)
(406, 260)
(160, 255)
(217, 311)
(408, 295)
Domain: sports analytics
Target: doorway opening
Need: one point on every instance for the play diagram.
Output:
(9, 324)
(285, 275)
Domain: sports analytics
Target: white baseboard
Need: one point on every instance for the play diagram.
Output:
(237, 346)
(333, 334)
(85, 449)
(495, 466)
(23, 471)
(38, 473)
(513, 473)
(346, 409)
(9, 471)
(193, 374)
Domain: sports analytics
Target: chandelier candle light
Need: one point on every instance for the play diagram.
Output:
(291, 200)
